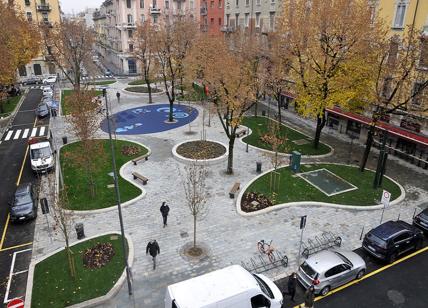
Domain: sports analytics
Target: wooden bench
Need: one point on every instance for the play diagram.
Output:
(140, 177)
(241, 133)
(137, 159)
(234, 189)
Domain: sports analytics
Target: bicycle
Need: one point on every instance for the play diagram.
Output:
(267, 249)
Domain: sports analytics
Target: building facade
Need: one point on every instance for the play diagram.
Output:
(39, 12)
(116, 22)
(212, 16)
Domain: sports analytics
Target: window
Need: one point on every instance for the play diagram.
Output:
(237, 3)
(272, 20)
(154, 4)
(258, 19)
(272, 1)
(129, 33)
(167, 4)
(334, 271)
(29, 16)
(247, 15)
(37, 69)
(236, 20)
(212, 20)
(401, 237)
(418, 93)
(247, 2)
(191, 5)
(132, 67)
(259, 301)
(372, 9)
(128, 4)
(179, 5)
(423, 59)
(131, 47)
(141, 4)
(219, 21)
(130, 19)
(227, 20)
(27, 2)
(257, 2)
(219, 4)
(155, 19)
(45, 17)
(22, 71)
(399, 15)
(143, 18)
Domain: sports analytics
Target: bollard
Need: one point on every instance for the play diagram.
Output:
(80, 231)
(64, 140)
(259, 167)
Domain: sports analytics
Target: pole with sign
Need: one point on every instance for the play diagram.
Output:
(386, 196)
(302, 227)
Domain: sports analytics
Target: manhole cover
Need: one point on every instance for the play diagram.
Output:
(184, 234)
(396, 297)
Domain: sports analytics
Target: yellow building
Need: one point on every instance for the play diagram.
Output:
(39, 12)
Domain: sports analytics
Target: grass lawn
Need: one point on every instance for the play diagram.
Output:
(102, 83)
(142, 89)
(76, 179)
(66, 93)
(294, 188)
(137, 82)
(9, 105)
(53, 287)
(259, 127)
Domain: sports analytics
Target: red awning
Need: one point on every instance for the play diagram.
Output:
(394, 130)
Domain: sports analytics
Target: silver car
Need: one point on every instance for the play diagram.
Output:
(330, 269)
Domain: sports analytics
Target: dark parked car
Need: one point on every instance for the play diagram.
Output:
(32, 80)
(421, 220)
(23, 205)
(42, 111)
(391, 239)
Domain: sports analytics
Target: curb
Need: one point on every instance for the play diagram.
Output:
(285, 154)
(314, 203)
(91, 302)
(204, 162)
(141, 94)
(121, 173)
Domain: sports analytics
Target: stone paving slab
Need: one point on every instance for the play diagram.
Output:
(230, 237)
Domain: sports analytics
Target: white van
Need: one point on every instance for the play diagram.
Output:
(230, 287)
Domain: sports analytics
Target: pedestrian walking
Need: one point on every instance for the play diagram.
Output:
(118, 96)
(164, 209)
(292, 284)
(310, 297)
(154, 250)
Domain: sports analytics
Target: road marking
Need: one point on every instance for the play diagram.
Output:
(33, 132)
(9, 134)
(11, 273)
(42, 131)
(16, 246)
(4, 231)
(25, 134)
(370, 274)
(18, 132)
(22, 166)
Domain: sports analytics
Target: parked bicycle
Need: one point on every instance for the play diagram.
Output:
(267, 249)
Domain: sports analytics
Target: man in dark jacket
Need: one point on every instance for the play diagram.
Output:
(292, 284)
(154, 250)
(310, 297)
(164, 210)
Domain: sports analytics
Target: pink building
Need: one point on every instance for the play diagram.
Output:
(116, 22)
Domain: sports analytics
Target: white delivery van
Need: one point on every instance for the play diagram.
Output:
(41, 155)
(230, 287)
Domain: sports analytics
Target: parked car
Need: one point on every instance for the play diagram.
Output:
(108, 73)
(23, 205)
(392, 239)
(32, 80)
(50, 79)
(42, 110)
(47, 92)
(421, 220)
(330, 269)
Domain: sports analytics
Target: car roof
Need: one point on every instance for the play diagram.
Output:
(390, 228)
(323, 261)
(23, 188)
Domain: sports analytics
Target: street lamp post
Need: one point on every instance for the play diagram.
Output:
(116, 186)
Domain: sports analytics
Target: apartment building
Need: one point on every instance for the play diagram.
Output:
(40, 12)
(257, 16)
(116, 22)
(212, 16)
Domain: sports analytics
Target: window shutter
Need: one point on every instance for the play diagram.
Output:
(393, 51)
(423, 60)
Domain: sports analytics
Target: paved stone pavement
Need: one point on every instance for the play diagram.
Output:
(230, 238)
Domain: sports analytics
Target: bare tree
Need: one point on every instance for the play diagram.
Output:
(196, 194)
(69, 43)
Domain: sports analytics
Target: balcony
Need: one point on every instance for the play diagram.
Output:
(43, 7)
(227, 29)
(204, 11)
(155, 10)
(126, 25)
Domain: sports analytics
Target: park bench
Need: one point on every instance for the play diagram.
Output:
(137, 159)
(234, 189)
(240, 133)
(140, 177)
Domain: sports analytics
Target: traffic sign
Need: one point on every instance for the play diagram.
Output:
(386, 196)
(302, 222)
(16, 303)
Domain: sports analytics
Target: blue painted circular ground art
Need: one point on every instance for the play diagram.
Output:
(150, 119)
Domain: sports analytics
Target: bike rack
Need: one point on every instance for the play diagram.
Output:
(262, 264)
(318, 243)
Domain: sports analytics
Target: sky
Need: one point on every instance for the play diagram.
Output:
(76, 6)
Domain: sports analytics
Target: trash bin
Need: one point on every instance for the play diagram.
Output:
(258, 166)
(79, 231)
(64, 140)
(264, 113)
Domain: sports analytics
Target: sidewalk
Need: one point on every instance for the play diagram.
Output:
(230, 237)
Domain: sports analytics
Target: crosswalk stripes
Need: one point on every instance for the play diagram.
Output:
(40, 131)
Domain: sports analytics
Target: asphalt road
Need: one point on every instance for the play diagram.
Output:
(16, 239)
(401, 285)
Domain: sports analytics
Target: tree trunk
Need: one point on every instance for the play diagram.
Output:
(230, 157)
(181, 86)
(368, 147)
(149, 89)
(171, 112)
(70, 259)
(194, 231)
(320, 125)
(278, 100)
